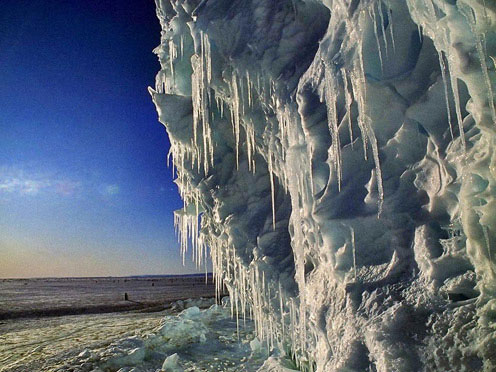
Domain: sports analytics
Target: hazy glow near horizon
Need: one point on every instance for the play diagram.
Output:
(84, 188)
(37, 262)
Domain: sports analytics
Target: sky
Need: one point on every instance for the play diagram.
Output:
(84, 185)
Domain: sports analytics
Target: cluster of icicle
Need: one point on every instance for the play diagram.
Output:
(221, 91)
(448, 26)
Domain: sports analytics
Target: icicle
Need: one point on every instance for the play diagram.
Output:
(237, 312)
(281, 308)
(383, 30)
(456, 97)
(271, 330)
(446, 96)
(195, 96)
(376, 34)
(481, 50)
(359, 83)
(294, 332)
(200, 81)
(420, 32)
(172, 56)
(242, 94)
(235, 113)
(250, 147)
(354, 252)
(332, 119)
(181, 43)
(349, 102)
(169, 154)
(391, 29)
(221, 104)
(208, 58)
(253, 149)
(248, 83)
(272, 190)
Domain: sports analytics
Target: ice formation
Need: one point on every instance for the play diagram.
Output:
(337, 160)
(194, 340)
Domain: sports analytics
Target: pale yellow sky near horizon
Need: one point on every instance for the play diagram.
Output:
(18, 260)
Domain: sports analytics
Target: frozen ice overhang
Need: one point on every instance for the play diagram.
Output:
(341, 155)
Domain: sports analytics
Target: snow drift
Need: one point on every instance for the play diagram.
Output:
(337, 160)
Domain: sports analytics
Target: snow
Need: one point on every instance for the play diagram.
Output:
(336, 160)
(66, 342)
(192, 340)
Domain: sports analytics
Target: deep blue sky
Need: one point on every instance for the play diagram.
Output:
(84, 187)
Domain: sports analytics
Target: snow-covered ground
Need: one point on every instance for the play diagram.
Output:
(193, 340)
(43, 344)
(32, 341)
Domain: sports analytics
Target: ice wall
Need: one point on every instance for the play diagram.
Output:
(337, 160)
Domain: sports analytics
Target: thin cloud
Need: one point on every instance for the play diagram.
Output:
(23, 186)
(17, 181)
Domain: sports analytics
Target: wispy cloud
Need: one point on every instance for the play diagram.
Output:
(22, 186)
(17, 181)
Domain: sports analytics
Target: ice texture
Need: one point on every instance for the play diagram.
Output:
(192, 341)
(337, 161)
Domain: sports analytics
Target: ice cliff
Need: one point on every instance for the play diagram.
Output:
(337, 160)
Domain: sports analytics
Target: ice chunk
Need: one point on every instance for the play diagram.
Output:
(171, 364)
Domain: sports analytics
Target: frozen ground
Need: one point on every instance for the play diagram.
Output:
(190, 335)
(43, 344)
(63, 296)
(193, 340)
(32, 341)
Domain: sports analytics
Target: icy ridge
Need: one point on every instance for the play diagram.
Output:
(336, 159)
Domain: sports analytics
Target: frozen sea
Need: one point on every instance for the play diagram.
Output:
(43, 327)
(70, 296)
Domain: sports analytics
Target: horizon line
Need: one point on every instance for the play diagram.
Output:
(110, 276)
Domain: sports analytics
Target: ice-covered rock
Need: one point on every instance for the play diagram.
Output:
(337, 159)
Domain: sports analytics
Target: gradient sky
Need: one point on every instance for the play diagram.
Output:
(84, 186)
